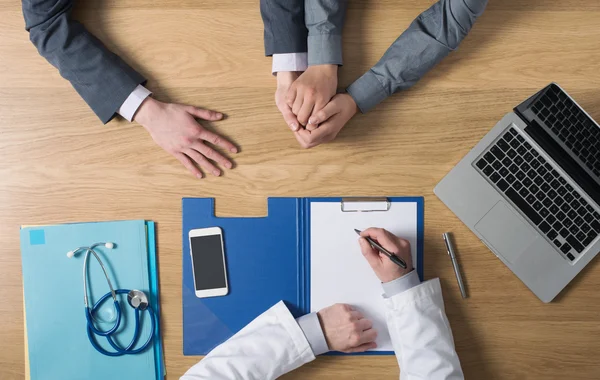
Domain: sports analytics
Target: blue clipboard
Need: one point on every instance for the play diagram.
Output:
(261, 271)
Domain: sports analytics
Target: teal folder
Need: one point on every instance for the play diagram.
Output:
(58, 346)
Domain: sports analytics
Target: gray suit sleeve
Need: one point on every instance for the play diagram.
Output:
(429, 38)
(325, 21)
(285, 31)
(102, 79)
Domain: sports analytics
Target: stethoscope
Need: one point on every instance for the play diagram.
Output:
(136, 299)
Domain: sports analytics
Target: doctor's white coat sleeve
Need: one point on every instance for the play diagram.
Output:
(421, 334)
(270, 346)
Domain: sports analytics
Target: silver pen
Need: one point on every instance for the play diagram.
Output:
(450, 249)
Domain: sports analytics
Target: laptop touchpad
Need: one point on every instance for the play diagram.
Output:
(505, 232)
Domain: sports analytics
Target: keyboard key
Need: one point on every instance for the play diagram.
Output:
(503, 145)
(557, 226)
(569, 187)
(523, 206)
(512, 131)
(528, 157)
(565, 248)
(517, 185)
(574, 229)
(481, 164)
(527, 145)
(542, 171)
(581, 237)
(561, 190)
(537, 206)
(506, 161)
(575, 204)
(565, 207)
(570, 257)
(495, 177)
(524, 192)
(535, 164)
(488, 170)
(551, 219)
(588, 217)
(589, 208)
(575, 244)
(572, 214)
(510, 178)
(562, 180)
(552, 234)
(527, 182)
(547, 202)
(564, 233)
(568, 197)
(489, 157)
(545, 187)
(502, 185)
(561, 215)
(582, 211)
(559, 201)
(515, 143)
(511, 153)
(530, 199)
(595, 226)
(544, 212)
(567, 222)
(544, 227)
(579, 221)
(520, 175)
(520, 138)
(497, 152)
(503, 172)
(590, 238)
(497, 165)
(534, 189)
(557, 243)
(555, 184)
(537, 179)
(552, 194)
(525, 167)
(548, 177)
(540, 196)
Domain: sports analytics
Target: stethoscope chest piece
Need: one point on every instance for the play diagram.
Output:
(137, 299)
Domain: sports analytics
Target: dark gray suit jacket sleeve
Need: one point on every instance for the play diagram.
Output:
(285, 31)
(102, 79)
(431, 36)
(325, 21)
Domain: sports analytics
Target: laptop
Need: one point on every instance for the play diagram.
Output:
(530, 190)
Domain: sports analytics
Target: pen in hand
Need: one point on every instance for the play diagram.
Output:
(395, 259)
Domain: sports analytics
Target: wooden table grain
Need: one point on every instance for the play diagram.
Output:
(58, 163)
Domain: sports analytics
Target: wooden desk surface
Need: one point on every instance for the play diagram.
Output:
(58, 163)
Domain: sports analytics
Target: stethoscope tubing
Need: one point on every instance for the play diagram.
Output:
(92, 331)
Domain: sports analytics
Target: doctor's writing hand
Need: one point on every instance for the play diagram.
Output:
(312, 91)
(383, 267)
(346, 329)
(284, 82)
(175, 129)
(330, 120)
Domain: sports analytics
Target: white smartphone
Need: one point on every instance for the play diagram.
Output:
(208, 262)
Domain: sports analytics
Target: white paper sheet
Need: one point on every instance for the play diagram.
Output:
(339, 271)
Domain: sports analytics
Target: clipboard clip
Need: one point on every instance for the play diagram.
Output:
(365, 204)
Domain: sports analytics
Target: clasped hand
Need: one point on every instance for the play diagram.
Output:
(310, 106)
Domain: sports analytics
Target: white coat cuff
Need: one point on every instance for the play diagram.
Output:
(290, 62)
(313, 332)
(133, 102)
(401, 284)
(423, 293)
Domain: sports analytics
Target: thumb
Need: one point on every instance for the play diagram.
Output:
(369, 253)
(325, 113)
(289, 117)
(201, 113)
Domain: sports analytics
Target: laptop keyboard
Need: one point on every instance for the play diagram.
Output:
(560, 213)
(571, 125)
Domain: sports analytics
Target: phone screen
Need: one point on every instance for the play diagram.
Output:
(207, 259)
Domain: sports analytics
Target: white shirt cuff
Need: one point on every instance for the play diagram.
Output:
(401, 284)
(290, 62)
(133, 102)
(311, 327)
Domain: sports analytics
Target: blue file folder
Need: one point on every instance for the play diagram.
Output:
(58, 346)
(267, 259)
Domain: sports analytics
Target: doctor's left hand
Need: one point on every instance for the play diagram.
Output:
(346, 329)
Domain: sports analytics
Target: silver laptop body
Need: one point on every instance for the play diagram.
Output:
(537, 165)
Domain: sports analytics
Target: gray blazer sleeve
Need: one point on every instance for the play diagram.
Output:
(285, 31)
(325, 21)
(102, 79)
(429, 38)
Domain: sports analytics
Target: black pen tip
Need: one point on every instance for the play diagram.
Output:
(357, 231)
